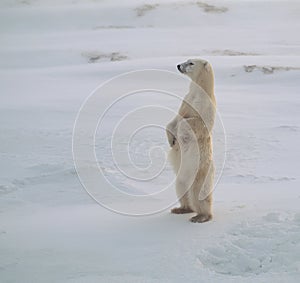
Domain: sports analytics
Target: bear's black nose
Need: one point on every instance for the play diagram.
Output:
(178, 67)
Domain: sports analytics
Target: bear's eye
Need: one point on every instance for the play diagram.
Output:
(191, 63)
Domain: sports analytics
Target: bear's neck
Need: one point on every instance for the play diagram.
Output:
(206, 85)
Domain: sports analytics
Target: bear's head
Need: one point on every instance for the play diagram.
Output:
(200, 72)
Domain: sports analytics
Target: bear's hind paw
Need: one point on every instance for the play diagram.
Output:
(200, 218)
(181, 210)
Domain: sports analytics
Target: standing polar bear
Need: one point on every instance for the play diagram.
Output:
(190, 137)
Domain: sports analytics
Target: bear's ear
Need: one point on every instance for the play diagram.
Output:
(206, 66)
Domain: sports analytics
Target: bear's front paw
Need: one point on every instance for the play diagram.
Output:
(200, 218)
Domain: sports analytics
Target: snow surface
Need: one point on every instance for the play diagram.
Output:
(53, 54)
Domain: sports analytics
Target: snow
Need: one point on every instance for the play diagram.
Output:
(54, 54)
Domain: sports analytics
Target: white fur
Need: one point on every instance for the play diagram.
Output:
(189, 135)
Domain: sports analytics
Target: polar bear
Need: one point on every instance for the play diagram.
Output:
(190, 137)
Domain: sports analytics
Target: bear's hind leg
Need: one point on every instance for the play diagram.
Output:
(183, 199)
(204, 212)
(200, 195)
(203, 209)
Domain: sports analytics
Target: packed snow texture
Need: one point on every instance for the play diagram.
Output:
(53, 54)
